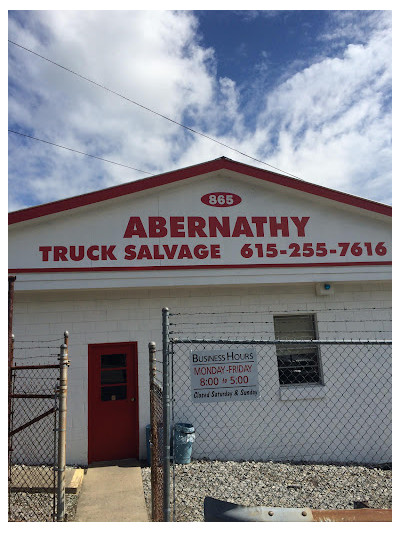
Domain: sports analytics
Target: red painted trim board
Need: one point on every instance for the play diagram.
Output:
(195, 267)
(189, 172)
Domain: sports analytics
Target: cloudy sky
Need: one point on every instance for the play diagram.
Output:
(308, 92)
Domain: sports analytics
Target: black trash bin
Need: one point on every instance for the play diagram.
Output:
(184, 437)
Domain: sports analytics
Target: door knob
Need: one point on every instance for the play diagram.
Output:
(133, 399)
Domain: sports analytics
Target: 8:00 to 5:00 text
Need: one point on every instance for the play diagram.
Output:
(214, 381)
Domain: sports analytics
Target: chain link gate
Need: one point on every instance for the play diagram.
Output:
(318, 411)
(36, 435)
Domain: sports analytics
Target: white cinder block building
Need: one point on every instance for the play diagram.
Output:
(220, 236)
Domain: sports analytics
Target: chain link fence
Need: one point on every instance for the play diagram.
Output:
(37, 402)
(290, 421)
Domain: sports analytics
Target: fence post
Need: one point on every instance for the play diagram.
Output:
(154, 432)
(166, 416)
(10, 423)
(10, 392)
(66, 336)
(62, 429)
(11, 281)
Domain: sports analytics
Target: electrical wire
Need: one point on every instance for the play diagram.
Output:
(151, 110)
(78, 152)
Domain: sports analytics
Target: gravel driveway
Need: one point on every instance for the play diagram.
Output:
(276, 485)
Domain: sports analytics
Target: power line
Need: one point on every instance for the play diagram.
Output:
(78, 152)
(151, 110)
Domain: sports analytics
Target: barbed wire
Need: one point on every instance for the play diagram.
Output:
(195, 326)
(260, 322)
(213, 335)
(280, 311)
(36, 348)
(38, 340)
(274, 342)
(19, 360)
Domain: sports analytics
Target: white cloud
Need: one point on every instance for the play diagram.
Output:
(327, 123)
(151, 57)
(334, 128)
(355, 25)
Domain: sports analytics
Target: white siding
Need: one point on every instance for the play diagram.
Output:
(135, 315)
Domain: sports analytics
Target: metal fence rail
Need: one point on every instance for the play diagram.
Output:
(37, 428)
(292, 401)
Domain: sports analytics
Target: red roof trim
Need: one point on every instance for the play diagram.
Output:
(194, 267)
(189, 172)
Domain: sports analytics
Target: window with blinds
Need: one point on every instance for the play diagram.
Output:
(297, 363)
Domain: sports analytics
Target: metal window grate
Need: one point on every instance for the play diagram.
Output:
(297, 364)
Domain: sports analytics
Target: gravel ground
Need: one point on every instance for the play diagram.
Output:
(276, 485)
(38, 507)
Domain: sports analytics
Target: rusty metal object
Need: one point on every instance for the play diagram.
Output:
(166, 415)
(352, 515)
(222, 511)
(33, 421)
(156, 441)
(154, 432)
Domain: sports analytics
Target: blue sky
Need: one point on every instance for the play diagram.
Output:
(308, 92)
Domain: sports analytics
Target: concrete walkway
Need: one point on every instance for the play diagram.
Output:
(112, 492)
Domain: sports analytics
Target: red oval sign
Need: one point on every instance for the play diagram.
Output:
(221, 199)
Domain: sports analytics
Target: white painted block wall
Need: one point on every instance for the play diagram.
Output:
(100, 316)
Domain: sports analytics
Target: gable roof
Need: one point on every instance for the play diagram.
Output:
(189, 172)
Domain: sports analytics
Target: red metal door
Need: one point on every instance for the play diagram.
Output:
(113, 425)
